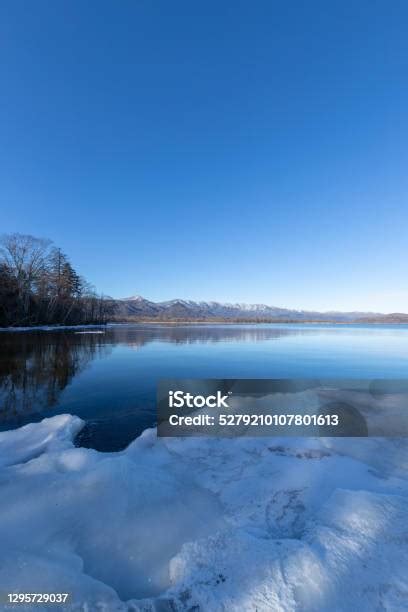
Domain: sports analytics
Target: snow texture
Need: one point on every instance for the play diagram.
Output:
(204, 524)
(51, 328)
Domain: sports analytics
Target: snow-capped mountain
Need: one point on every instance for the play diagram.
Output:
(138, 307)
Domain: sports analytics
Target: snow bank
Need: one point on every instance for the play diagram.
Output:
(49, 328)
(289, 524)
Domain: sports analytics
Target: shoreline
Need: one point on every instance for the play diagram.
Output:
(192, 323)
(52, 327)
(251, 322)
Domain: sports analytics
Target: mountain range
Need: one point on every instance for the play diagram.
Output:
(138, 308)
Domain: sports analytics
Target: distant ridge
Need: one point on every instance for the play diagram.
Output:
(139, 308)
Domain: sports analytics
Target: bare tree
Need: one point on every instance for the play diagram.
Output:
(38, 284)
(26, 258)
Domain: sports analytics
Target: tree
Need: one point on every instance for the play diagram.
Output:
(38, 284)
(8, 296)
(63, 279)
(25, 258)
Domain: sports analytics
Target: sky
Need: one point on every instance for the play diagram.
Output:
(234, 151)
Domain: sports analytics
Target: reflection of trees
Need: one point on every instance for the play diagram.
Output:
(36, 367)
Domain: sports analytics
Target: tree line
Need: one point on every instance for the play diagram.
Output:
(39, 286)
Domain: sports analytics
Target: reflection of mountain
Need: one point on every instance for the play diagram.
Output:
(139, 335)
(36, 367)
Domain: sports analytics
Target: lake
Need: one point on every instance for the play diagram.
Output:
(109, 378)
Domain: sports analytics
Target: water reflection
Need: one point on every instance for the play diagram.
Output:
(109, 379)
(36, 367)
(134, 335)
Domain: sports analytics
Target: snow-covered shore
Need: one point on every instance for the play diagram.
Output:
(51, 328)
(244, 524)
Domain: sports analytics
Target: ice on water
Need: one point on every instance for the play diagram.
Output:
(283, 524)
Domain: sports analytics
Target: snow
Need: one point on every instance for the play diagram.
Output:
(49, 328)
(282, 524)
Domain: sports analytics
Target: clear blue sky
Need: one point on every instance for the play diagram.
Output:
(240, 151)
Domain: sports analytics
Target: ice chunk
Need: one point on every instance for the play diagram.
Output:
(288, 524)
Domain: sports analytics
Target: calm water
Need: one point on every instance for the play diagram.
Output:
(109, 379)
